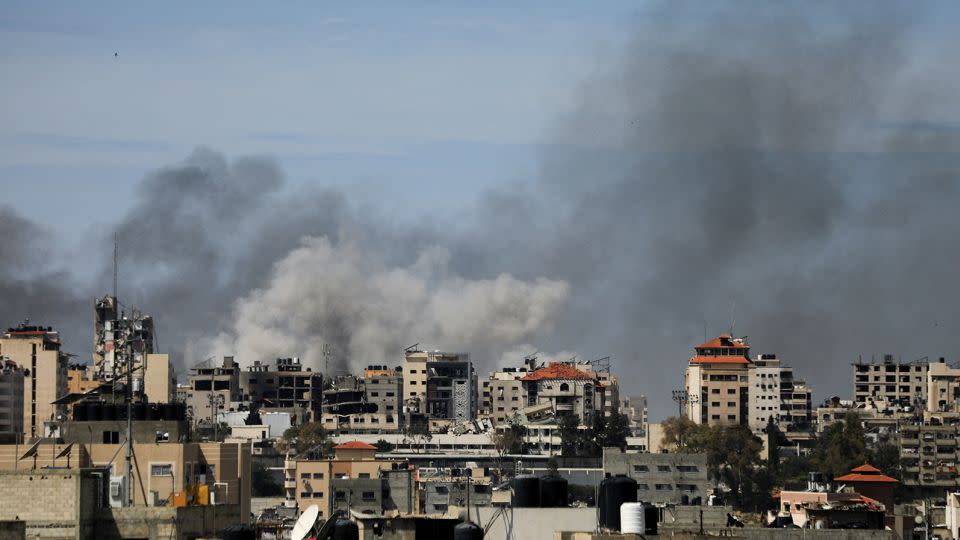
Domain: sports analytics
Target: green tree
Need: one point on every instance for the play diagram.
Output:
(263, 482)
(308, 439)
(841, 447)
(886, 457)
(570, 437)
(616, 431)
(384, 446)
(678, 432)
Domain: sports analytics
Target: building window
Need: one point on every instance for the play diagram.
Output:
(640, 468)
(368, 496)
(442, 489)
(318, 476)
(440, 507)
(564, 387)
(363, 475)
(663, 468)
(161, 470)
(687, 468)
(715, 391)
(731, 417)
(731, 390)
(304, 495)
(304, 476)
(643, 487)
(317, 494)
(340, 496)
(664, 487)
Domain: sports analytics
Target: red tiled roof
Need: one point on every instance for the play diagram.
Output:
(703, 359)
(354, 445)
(558, 371)
(857, 477)
(866, 468)
(722, 341)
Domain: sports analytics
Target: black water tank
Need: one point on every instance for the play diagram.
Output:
(139, 411)
(697, 501)
(467, 531)
(553, 492)
(526, 491)
(344, 529)
(80, 412)
(108, 411)
(154, 412)
(651, 515)
(95, 412)
(169, 411)
(619, 490)
(685, 500)
(238, 532)
(602, 502)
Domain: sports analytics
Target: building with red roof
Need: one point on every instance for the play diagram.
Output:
(869, 481)
(567, 389)
(716, 382)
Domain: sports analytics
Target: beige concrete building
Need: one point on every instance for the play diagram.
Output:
(566, 389)
(717, 382)
(502, 394)
(439, 384)
(11, 401)
(36, 349)
(160, 470)
(80, 379)
(160, 379)
(901, 384)
(943, 387)
(308, 482)
(213, 389)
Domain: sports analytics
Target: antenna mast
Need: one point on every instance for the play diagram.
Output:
(116, 263)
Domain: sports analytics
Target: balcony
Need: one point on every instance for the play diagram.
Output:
(290, 484)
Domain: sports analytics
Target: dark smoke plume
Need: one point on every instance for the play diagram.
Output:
(757, 163)
(777, 168)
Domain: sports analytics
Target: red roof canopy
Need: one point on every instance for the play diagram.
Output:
(703, 359)
(866, 473)
(558, 371)
(355, 445)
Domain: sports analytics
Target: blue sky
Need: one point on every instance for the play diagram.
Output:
(422, 102)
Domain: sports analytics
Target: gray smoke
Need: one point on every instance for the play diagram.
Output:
(783, 169)
(754, 164)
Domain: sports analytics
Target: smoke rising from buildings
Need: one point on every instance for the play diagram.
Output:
(780, 169)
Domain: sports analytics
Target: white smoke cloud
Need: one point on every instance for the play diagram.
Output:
(342, 295)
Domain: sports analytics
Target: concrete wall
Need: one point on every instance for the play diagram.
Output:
(533, 523)
(52, 503)
(13, 530)
(162, 523)
(661, 478)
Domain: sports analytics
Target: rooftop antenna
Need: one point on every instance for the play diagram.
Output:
(116, 263)
(733, 320)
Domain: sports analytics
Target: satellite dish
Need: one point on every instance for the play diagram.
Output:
(305, 524)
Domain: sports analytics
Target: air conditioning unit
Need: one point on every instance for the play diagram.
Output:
(118, 491)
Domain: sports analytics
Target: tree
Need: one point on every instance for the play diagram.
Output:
(309, 439)
(616, 431)
(263, 483)
(570, 438)
(841, 447)
(678, 432)
(384, 446)
(419, 432)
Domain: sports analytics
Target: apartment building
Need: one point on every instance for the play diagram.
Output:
(213, 389)
(288, 385)
(717, 381)
(775, 395)
(161, 471)
(383, 390)
(80, 379)
(441, 385)
(635, 409)
(11, 401)
(566, 389)
(929, 454)
(502, 394)
(898, 383)
(661, 478)
(308, 482)
(36, 349)
(943, 387)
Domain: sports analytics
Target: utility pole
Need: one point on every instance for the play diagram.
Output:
(129, 397)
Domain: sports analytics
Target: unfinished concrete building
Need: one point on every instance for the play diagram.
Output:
(287, 386)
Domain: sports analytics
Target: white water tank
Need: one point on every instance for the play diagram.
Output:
(632, 518)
